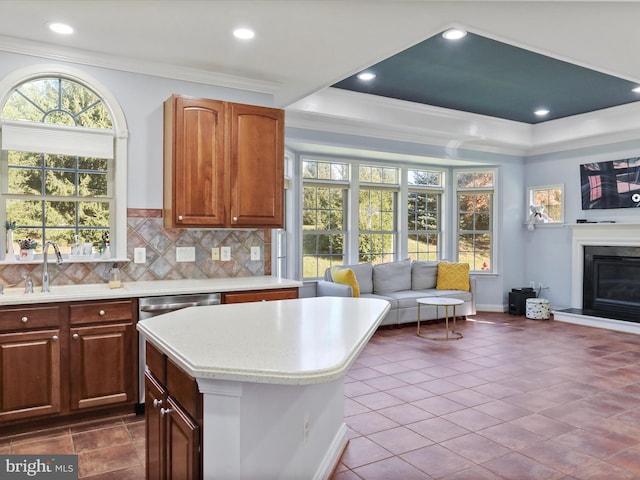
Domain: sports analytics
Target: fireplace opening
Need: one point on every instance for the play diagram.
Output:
(611, 282)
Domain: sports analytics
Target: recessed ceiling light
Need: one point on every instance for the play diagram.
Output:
(541, 112)
(244, 33)
(61, 28)
(366, 76)
(636, 90)
(454, 34)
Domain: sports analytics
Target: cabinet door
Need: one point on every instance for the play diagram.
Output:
(256, 166)
(30, 374)
(103, 365)
(194, 163)
(182, 444)
(154, 400)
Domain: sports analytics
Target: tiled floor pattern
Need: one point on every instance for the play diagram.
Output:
(515, 399)
(107, 450)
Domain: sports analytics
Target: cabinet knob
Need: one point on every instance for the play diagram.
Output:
(24, 319)
(101, 313)
(156, 403)
(235, 219)
(75, 336)
(54, 338)
(165, 411)
(180, 218)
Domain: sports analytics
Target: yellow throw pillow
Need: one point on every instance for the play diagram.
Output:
(346, 276)
(453, 276)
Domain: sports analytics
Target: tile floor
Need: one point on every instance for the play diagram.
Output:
(110, 449)
(515, 399)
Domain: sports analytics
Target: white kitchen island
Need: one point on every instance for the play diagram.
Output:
(271, 375)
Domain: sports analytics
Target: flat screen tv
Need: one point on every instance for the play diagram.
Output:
(612, 184)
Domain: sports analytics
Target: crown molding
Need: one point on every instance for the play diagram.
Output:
(342, 111)
(602, 127)
(26, 47)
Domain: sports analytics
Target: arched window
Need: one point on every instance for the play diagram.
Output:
(57, 170)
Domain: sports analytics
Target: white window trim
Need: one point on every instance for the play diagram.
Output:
(495, 261)
(530, 190)
(118, 225)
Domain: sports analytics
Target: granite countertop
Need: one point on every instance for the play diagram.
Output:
(291, 342)
(101, 291)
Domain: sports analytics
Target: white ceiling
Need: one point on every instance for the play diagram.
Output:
(304, 46)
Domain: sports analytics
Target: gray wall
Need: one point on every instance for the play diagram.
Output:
(547, 250)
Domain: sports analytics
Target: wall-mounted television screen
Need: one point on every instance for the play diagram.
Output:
(612, 184)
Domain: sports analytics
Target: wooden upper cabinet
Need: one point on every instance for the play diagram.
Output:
(224, 164)
(194, 193)
(257, 166)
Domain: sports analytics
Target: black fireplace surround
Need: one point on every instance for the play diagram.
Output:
(611, 282)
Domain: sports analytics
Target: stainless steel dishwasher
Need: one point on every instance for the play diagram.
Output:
(152, 306)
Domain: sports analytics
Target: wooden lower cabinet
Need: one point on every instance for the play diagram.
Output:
(173, 435)
(30, 374)
(260, 295)
(155, 396)
(65, 360)
(101, 361)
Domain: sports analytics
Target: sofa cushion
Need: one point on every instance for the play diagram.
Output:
(424, 275)
(392, 277)
(346, 277)
(453, 276)
(364, 274)
(393, 302)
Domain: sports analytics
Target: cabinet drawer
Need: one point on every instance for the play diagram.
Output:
(94, 312)
(184, 389)
(28, 318)
(260, 295)
(156, 362)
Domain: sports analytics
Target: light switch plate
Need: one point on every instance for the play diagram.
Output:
(225, 254)
(215, 253)
(139, 255)
(185, 254)
(255, 253)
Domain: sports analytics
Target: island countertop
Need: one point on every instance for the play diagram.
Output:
(291, 342)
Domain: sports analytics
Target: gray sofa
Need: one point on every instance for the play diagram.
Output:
(401, 283)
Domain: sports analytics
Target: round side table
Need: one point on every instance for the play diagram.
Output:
(446, 303)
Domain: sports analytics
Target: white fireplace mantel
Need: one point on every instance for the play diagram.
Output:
(597, 234)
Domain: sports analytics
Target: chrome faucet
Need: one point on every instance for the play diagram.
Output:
(45, 267)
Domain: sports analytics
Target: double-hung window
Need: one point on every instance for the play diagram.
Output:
(475, 218)
(377, 219)
(424, 212)
(324, 214)
(57, 163)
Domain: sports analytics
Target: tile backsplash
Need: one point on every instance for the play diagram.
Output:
(145, 229)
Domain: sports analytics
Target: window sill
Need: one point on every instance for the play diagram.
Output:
(547, 225)
(65, 259)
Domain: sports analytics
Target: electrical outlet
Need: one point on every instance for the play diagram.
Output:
(225, 254)
(140, 255)
(255, 253)
(185, 254)
(215, 253)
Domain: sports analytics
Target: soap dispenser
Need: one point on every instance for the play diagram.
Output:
(114, 277)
